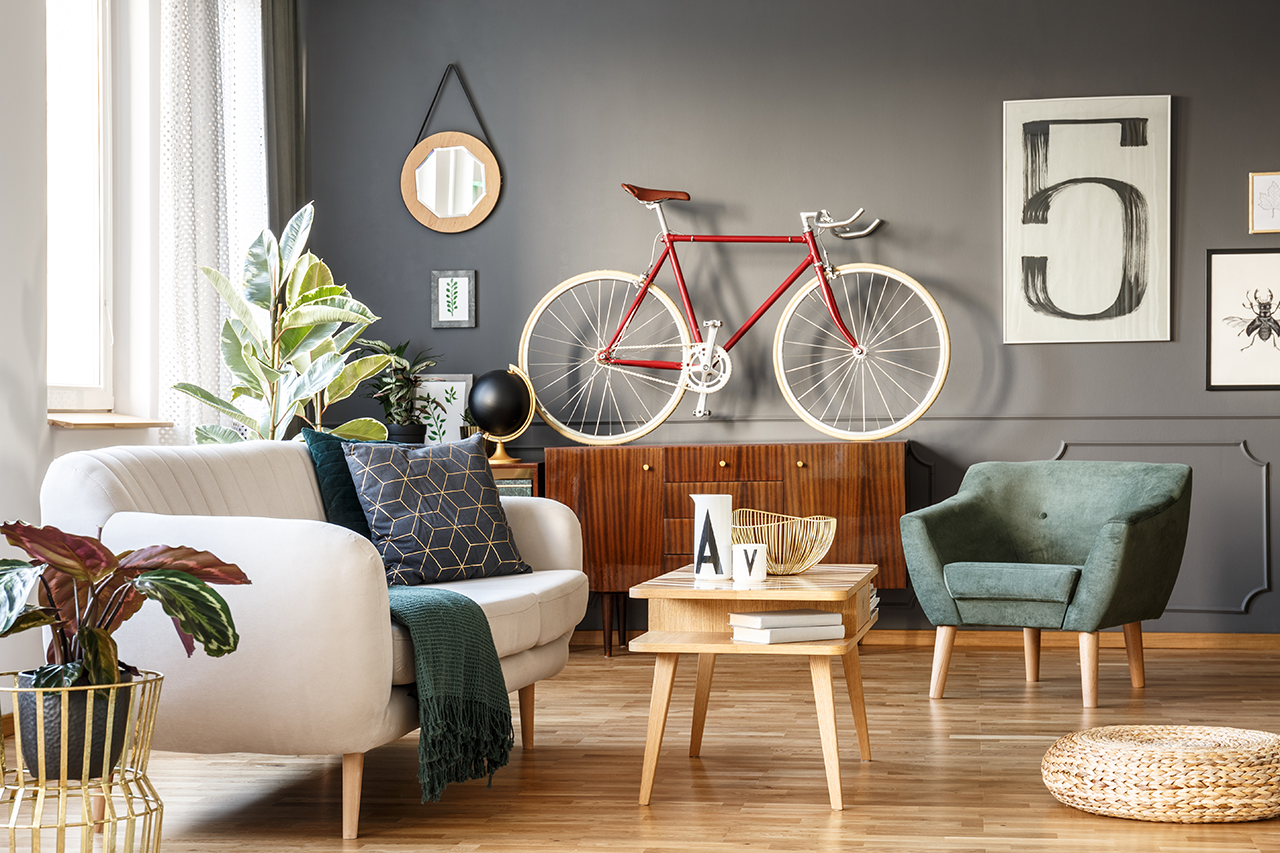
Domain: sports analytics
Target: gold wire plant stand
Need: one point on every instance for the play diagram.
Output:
(792, 544)
(75, 787)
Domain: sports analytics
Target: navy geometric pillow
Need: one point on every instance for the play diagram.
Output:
(433, 511)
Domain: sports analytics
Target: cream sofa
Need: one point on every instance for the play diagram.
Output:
(321, 668)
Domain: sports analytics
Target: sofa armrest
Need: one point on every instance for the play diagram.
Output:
(933, 537)
(312, 673)
(547, 532)
(1133, 566)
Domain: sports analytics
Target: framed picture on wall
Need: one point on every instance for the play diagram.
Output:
(1086, 220)
(448, 400)
(453, 299)
(1244, 335)
(1264, 202)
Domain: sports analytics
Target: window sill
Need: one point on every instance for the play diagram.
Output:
(102, 420)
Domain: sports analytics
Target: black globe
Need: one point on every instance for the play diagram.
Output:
(499, 402)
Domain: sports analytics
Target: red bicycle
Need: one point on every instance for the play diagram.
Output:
(861, 350)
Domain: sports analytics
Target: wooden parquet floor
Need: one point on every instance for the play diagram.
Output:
(959, 775)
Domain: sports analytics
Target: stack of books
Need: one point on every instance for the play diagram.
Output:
(786, 626)
(875, 599)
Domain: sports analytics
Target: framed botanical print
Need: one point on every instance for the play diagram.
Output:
(453, 299)
(1264, 202)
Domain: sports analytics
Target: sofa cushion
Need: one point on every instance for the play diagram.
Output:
(524, 611)
(1011, 581)
(434, 512)
(341, 503)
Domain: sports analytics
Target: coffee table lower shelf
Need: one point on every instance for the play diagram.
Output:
(720, 643)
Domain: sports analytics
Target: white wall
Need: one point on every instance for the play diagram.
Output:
(25, 450)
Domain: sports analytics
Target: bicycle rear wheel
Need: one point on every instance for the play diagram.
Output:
(889, 384)
(588, 400)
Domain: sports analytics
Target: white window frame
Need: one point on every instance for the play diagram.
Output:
(99, 397)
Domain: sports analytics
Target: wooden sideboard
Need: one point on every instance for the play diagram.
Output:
(637, 518)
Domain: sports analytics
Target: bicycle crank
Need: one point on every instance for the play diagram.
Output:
(706, 368)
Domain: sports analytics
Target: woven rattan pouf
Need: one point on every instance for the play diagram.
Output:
(1176, 774)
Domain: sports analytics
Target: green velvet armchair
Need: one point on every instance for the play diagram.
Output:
(1075, 546)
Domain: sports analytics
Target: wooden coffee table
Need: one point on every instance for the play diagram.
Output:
(691, 616)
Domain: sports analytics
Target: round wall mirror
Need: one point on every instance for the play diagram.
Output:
(450, 182)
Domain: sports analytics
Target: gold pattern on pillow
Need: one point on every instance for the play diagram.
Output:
(434, 512)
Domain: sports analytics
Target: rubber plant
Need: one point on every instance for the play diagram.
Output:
(286, 342)
(397, 388)
(85, 592)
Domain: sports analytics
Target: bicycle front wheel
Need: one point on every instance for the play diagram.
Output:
(885, 387)
(584, 398)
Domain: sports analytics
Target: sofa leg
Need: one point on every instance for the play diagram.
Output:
(942, 645)
(352, 776)
(1089, 668)
(1031, 652)
(526, 716)
(1133, 646)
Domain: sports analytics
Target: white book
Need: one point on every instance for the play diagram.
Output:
(788, 635)
(784, 618)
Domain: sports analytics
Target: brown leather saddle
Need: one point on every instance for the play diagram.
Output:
(649, 196)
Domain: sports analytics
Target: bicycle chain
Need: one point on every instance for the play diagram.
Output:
(645, 376)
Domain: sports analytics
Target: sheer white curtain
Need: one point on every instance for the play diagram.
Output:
(213, 188)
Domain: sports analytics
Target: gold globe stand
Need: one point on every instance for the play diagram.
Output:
(500, 455)
(118, 812)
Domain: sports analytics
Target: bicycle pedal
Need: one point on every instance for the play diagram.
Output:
(702, 413)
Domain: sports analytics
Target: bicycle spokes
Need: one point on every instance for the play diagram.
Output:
(885, 384)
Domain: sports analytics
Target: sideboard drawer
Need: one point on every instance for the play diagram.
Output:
(721, 463)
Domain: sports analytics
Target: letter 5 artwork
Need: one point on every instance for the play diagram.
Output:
(1086, 220)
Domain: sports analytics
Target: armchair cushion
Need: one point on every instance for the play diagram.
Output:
(1023, 595)
(434, 511)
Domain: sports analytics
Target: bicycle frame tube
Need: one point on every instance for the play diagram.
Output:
(813, 259)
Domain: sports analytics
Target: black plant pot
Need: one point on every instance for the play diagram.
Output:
(77, 729)
(407, 433)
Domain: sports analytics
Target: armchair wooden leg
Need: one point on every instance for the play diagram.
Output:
(942, 645)
(352, 777)
(1133, 646)
(526, 716)
(1089, 668)
(1031, 652)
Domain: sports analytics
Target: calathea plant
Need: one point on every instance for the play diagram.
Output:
(397, 388)
(85, 592)
(286, 342)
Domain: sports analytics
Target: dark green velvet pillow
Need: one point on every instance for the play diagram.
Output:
(337, 492)
(434, 511)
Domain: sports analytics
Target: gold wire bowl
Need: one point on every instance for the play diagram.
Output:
(792, 545)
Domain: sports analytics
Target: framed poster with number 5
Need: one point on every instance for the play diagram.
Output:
(1086, 220)
(453, 299)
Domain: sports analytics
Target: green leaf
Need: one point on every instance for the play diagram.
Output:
(100, 656)
(240, 309)
(238, 356)
(262, 271)
(322, 292)
(351, 333)
(353, 374)
(294, 286)
(217, 434)
(362, 429)
(318, 277)
(316, 378)
(216, 403)
(198, 609)
(304, 339)
(31, 617)
(17, 579)
(294, 238)
(57, 675)
(333, 309)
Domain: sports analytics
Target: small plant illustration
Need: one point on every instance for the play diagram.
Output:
(1269, 199)
(451, 289)
(435, 414)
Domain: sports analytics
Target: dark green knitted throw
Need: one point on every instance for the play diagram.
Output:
(462, 698)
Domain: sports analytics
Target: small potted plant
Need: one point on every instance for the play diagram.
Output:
(407, 411)
(85, 592)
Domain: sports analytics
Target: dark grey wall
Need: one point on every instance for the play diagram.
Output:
(761, 109)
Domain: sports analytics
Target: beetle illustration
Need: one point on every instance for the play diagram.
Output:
(1264, 325)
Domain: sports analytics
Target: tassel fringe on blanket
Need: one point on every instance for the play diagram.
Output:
(463, 706)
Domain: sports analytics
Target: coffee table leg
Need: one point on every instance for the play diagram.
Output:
(706, 667)
(824, 697)
(853, 682)
(664, 676)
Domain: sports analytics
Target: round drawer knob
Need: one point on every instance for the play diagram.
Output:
(723, 463)
(645, 466)
(800, 463)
